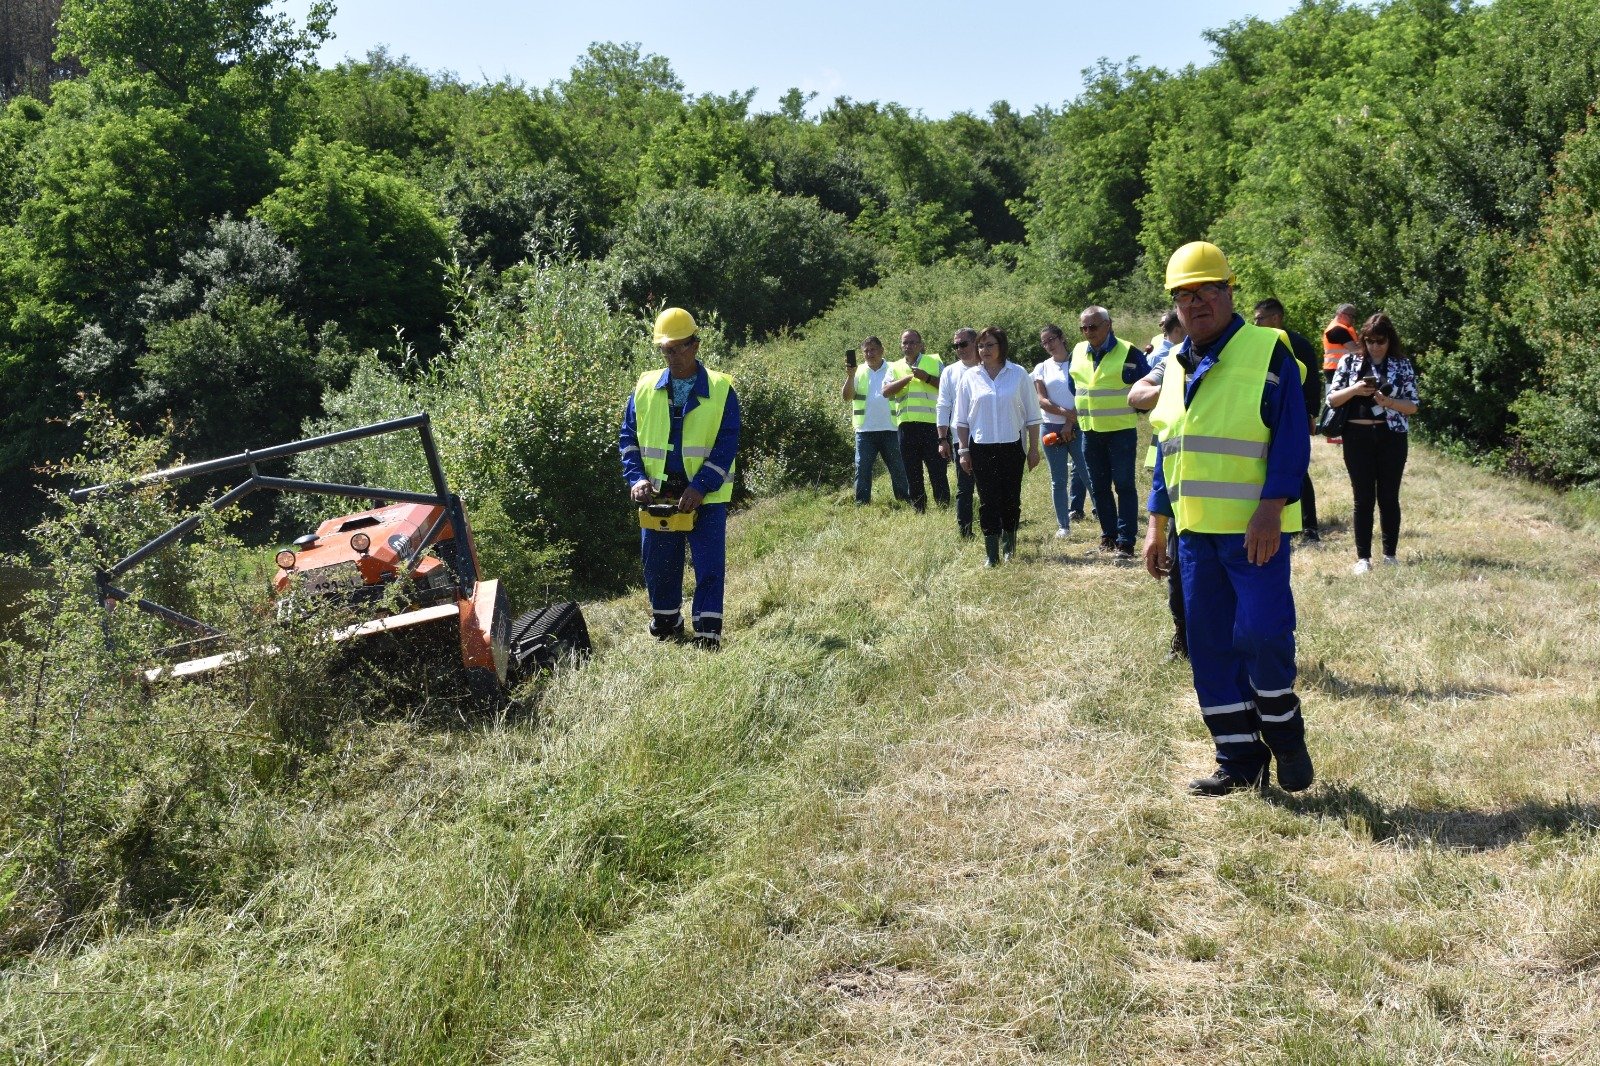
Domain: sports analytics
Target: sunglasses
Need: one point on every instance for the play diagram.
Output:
(958, 345)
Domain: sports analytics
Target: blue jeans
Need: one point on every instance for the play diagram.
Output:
(1111, 456)
(870, 445)
(1080, 473)
(1065, 493)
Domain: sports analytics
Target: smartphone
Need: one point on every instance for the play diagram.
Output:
(849, 357)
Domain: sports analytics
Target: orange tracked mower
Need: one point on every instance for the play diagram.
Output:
(409, 562)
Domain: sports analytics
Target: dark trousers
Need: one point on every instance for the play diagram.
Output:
(1241, 649)
(964, 489)
(662, 554)
(997, 470)
(1308, 503)
(1175, 585)
(1375, 456)
(919, 447)
(1111, 457)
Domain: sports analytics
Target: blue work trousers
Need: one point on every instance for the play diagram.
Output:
(1065, 493)
(662, 553)
(1241, 647)
(1111, 457)
(869, 446)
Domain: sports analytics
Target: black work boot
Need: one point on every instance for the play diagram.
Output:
(1295, 772)
(1108, 544)
(661, 631)
(1008, 544)
(1221, 782)
(1179, 648)
(991, 548)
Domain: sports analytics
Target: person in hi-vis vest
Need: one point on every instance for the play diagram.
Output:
(1234, 450)
(876, 419)
(680, 434)
(1103, 368)
(914, 388)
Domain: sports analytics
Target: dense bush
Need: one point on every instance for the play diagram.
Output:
(760, 262)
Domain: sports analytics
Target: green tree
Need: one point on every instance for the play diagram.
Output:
(761, 262)
(371, 245)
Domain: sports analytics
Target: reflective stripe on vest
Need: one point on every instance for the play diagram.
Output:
(1214, 455)
(858, 407)
(652, 412)
(916, 402)
(1331, 352)
(1101, 395)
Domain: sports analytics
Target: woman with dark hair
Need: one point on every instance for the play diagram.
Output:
(995, 407)
(1380, 387)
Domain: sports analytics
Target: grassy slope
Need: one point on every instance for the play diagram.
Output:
(919, 812)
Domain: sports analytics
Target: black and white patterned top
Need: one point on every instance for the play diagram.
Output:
(1397, 378)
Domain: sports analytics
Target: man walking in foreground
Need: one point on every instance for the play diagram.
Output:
(680, 433)
(1103, 368)
(914, 386)
(1235, 448)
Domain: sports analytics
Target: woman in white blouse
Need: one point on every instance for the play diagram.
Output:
(995, 407)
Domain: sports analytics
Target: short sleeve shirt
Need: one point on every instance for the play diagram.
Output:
(1057, 378)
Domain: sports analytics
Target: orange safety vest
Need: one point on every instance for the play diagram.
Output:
(1331, 352)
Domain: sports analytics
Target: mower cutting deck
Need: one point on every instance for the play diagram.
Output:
(411, 563)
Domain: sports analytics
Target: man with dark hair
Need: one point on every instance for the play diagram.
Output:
(1269, 313)
(965, 344)
(873, 415)
(1340, 337)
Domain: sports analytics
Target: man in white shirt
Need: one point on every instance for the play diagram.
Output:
(873, 416)
(965, 344)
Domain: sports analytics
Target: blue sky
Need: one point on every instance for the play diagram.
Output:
(936, 56)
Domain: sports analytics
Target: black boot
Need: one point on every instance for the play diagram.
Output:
(991, 548)
(1008, 544)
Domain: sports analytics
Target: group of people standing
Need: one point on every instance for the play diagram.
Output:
(1231, 406)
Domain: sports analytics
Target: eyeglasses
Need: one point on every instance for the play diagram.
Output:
(958, 345)
(984, 346)
(680, 347)
(1207, 291)
(1091, 327)
(1376, 340)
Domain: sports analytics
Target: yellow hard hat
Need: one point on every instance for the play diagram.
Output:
(1195, 262)
(674, 324)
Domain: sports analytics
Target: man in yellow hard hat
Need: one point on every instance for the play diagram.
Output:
(1234, 450)
(680, 434)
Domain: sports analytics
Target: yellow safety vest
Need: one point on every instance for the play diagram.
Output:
(858, 408)
(652, 411)
(916, 402)
(1214, 455)
(1102, 397)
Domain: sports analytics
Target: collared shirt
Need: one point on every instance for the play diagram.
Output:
(949, 383)
(1057, 378)
(1282, 412)
(879, 416)
(1397, 373)
(1136, 366)
(997, 410)
(713, 468)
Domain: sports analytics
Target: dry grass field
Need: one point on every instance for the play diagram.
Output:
(920, 812)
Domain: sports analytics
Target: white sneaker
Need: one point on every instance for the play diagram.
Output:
(1363, 566)
(1389, 560)
(1061, 534)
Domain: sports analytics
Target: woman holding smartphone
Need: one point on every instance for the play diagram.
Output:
(1381, 384)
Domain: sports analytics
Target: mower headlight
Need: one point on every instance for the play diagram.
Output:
(360, 542)
(286, 559)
